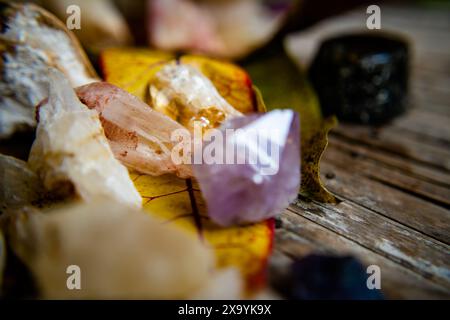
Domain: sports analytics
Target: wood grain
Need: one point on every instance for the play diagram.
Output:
(393, 181)
(394, 204)
(300, 237)
(403, 245)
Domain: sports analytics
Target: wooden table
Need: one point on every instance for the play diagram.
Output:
(393, 181)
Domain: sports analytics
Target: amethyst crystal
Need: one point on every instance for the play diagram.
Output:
(250, 168)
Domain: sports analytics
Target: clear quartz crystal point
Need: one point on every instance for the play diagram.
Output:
(183, 93)
(140, 137)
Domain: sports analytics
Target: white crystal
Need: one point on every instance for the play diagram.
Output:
(182, 92)
(71, 149)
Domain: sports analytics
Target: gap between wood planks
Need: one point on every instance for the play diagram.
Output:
(406, 215)
(397, 282)
(399, 145)
(299, 237)
(417, 214)
(408, 177)
(415, 251)
(394, 181)
(360, 152)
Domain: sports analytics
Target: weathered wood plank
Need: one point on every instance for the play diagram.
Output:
(412, 133)
(437, 108)
(434, 128)
(429, 104)
(431, 82)
(390, 176)
(411, 211)
(390, 160)
(397, 282)
(437, 93)
(394, 181)
(431, 61)
(396, 144)
(426, 30)
(411, 249)
(423, 18)
(299, 237)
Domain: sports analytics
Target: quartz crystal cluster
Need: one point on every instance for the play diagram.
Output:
(255, 172)
(256, 175)
(73, 205)
(71, 154)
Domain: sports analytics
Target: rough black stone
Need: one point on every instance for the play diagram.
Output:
(362, 78)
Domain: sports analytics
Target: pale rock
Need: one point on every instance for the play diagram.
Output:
(121, 253)
(71, 153)
(31, 41)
